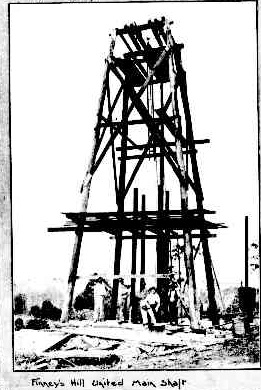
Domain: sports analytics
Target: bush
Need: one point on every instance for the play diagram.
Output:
(35, 311)
(49, 311)
(85, 299)
(19, 324)
(37, 323)
(82, 303)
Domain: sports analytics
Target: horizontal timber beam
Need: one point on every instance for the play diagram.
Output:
(72, 215)
(154, 237)
(131, 122)
(141, 146)
(159, 24)
(151, 155)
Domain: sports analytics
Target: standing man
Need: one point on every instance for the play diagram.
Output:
(149, 307)
(123, 301)
(99, 292)
(173, 302)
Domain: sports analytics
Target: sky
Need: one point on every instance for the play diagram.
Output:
(57, 64)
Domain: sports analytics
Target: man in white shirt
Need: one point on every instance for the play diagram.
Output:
(150, 306)
(99, 292)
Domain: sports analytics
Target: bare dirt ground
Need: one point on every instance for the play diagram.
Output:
(237, 353)
(78, 347)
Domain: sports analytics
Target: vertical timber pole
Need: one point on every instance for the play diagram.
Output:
(213, 313)
(115, 286)
(188, 249)
(67, 305)
(167, 249)
(180, 303)
(168, 241)
(120, 203)
(161, 240)
(162, 158)
(167, 200)
(134, 247)
(246, 251)
(160, 247)
(142, 245)
(199, 195)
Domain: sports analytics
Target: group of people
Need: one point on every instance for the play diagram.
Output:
(149, 302)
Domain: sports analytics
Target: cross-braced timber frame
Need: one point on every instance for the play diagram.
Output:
(150, 66)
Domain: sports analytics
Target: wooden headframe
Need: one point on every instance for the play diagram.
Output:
(150, 65)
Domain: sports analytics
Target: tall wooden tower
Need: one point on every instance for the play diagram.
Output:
(151, 98)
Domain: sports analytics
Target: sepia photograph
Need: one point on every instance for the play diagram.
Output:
(135, 191)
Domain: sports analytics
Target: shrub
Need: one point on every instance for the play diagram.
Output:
(35, 311)
(37, 323)
(49, 311)
(19, 324)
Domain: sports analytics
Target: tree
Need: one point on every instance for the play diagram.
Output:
(254, 256)
(20, 304)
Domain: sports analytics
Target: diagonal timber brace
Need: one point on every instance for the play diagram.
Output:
(139, 105)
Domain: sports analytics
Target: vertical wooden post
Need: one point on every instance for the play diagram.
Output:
(134, 246)
(120, 201)
(213, 312)
(160, 240)
(159, 244)
(162, 258)
(116, 269)
(199, 194)
(67, 305)
(167, 237)
(166, 200)
(179, 264)
(246, 251)
(168, 241)
(142, 246)
(188, 252)
(162, 157)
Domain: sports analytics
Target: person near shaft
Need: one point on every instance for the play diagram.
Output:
(173, 302)
(149, 306)
(123, 301)
(99, 291)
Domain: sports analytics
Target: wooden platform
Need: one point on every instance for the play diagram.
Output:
(152, 221)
